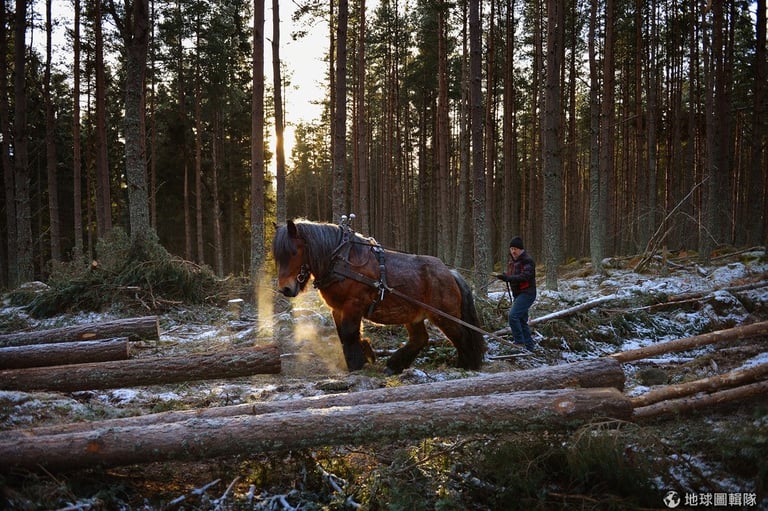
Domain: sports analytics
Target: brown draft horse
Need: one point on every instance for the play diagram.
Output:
(358, 279)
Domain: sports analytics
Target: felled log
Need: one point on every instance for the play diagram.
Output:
(686, 404)
(565, 312)
(63, 353)
(148, 371)
(602, 372)
(713, 383)
(687, 343)
(383, 422)
(145, 327)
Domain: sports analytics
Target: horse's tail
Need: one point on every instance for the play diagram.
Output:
(471, 349)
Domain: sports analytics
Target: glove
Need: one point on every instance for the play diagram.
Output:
(502, 277)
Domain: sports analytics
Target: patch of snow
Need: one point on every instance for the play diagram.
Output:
(758, 360)
(724, 275)
(122, 396)
(168, 396)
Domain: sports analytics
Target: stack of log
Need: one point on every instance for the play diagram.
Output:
(96, 356)
(496, 403)
(732, 386)
(554, 397)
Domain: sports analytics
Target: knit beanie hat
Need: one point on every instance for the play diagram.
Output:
(517, 242)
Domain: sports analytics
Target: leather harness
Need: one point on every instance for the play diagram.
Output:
(340, 269)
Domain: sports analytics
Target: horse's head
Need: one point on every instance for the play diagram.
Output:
(288, 249)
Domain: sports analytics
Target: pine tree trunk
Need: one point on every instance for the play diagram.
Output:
(730, 334)
(136, 372)
(552, 143)
(257, 145)
(50, 143)
(65, 353)
(482, 237)
(146, 327)
(340, 115)
(277, 80)
(601, 372)
(384, 422)
(102, 178)
(8, 269)
(77, 193)
(22, 174)
(136, 39)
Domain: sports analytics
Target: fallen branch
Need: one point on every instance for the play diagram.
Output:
(566, 312)
(385, 422)
(714, 383)
(660, 235)
(146, 327)
(147, 371)
(63, 353)
(730, 334)
(602, 372)
(194, 493)
(701, 401)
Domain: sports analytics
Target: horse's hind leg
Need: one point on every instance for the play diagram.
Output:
(469, 347)
(404, 357)
(357, 351)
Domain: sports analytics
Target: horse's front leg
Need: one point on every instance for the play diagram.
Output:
(357, 351)
(404, 357)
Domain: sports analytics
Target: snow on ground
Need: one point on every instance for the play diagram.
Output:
(314, 351)
(313, 363)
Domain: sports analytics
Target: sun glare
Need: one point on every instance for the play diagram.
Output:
(289, 140)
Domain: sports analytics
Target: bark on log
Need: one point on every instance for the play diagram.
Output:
(64, 353)
(208, 438)
(730, 334)
(714, 383)
(148, 371)
(602, 372)
(701, 401)
(566, 312)
(135, 329)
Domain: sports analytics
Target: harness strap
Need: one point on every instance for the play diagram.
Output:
(444, 314)
(338, 272)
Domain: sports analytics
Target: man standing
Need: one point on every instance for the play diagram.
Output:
(521, 276)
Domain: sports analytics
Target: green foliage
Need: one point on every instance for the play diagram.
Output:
(128, 274)
(611, 463)
(744, 451)
(602, 459)
(741, 448)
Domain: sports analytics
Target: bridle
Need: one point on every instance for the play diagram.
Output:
(303, 274)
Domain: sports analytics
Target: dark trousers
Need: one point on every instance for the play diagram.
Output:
(518, 319)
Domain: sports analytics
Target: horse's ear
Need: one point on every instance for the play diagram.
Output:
(293, 231)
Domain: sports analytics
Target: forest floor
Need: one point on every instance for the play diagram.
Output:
(711, 458)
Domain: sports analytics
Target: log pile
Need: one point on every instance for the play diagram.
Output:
(552, 397)
(737, 385)
(135, 372)
(78, 358)
(145, 327)
(63, 353)
(78, 344)
(400, 420)
(486, 404)
(603, 372)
